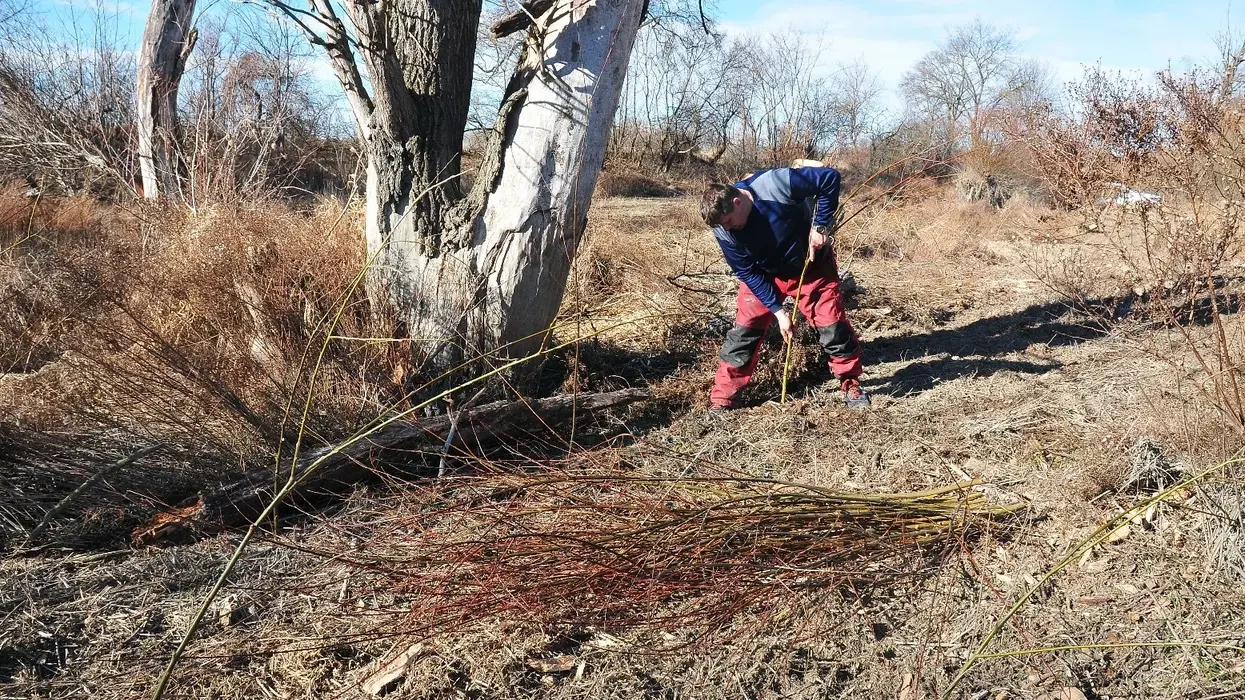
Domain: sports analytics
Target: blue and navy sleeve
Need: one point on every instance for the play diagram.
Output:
(749, 272)
(822, 183)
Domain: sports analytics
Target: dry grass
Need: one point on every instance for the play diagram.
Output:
(931, 223)
(126, 328)
(235, 294)
(622, 182)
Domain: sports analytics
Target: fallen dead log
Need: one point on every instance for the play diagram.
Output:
(409, 449)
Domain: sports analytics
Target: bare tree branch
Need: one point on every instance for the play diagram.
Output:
(521, 18)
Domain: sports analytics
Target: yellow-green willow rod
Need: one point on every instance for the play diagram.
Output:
(1101, 534)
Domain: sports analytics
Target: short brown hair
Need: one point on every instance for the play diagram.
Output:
(717, 201)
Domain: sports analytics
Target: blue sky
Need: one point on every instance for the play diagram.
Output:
(1141, 35)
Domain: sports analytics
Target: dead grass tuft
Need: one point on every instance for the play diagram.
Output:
(191, 330)
(624, 183)
(940, 227)
(1223, 528)
(972, 186)
(29, 221)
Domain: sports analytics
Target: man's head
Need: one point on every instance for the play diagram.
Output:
(725, 206)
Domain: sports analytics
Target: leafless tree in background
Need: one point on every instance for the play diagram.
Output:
(65, 101)
(961, 83)
(168, 39)
(1231, 47)
(676, 104)
(256, 122)
(856, 92)
(11, 10)
(495, 60)
(788, 112)
(694, 97)
(256, 119)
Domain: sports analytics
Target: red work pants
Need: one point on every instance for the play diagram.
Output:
(820, 302)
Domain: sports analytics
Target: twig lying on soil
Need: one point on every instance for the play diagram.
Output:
(452, 434)
(87, 485)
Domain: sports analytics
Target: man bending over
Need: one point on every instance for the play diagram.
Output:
(763, 225)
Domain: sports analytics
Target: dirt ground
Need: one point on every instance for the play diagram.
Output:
(978, 368)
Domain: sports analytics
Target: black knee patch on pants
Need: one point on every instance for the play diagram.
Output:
(838, 340)
(741, 342)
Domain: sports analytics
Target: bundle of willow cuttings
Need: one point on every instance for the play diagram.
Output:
(624, 551)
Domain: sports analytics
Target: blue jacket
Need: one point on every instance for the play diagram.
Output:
(774, 241)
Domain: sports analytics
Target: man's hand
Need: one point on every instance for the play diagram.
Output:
(816, 241)
(784, 324)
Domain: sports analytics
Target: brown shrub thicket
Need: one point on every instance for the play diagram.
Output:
(196, 331)
(1158, 171)
(623, 181)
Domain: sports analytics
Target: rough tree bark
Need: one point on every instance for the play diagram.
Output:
(485, 272)
(167, 41)
(421, 76)
(497, 277)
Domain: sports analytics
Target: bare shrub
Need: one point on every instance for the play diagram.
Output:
(1080, 278)
(625, 183)
(257, 125)
(198, 332)
(32, 230)
(65, 109)
(1158, 172)
(256, 122)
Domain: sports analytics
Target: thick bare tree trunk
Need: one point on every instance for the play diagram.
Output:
(167, 41)
(491, 278)
(421, 68)
(486, 272)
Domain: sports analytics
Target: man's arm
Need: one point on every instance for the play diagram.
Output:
(749, 273)
(822, 183)
(762, 286)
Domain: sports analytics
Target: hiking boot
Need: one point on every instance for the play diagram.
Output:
(713, 418)
(855, 397)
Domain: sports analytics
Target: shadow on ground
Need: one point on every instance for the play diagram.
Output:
(605, 366)
(975, 349)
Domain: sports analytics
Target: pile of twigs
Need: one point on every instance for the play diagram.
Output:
(630, 552)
